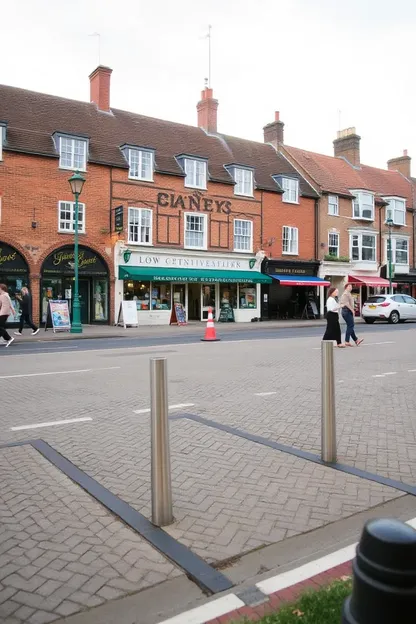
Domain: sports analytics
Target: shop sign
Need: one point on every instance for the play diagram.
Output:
(291, 271)
(11, 261)
(61, 262)
(195, 201)
(118, 219)
(188, 262)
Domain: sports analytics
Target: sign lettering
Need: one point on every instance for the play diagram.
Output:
(7, 257)
(60, 257)
(118, 219)
(196, 201)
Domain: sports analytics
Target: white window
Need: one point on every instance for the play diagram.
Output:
(400, 250)
(333, 208)
(195, 231)
(396, 210)
(141, 164)
(363, 247)
(72, 153)
(363, 205)
(291, 190)
(243, 182)
(196, 173)
(333, 244)
(243, 235)
(140, 226)
(290, 240)
(66, 217)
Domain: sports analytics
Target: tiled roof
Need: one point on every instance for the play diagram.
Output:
(336, 175)
(32, 118)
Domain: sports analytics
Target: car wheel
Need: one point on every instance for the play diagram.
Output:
(394, 317)
(369, 321)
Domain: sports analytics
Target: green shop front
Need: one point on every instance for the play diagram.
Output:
(57, 282)
(14, 272)
(156, 280)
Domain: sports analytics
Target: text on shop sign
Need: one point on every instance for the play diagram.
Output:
(196, 201)
(62, 256)
(199, 263)
(8, 257)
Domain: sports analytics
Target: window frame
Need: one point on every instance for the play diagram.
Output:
(72, 219)
(288, 190)
(292, 229)
(140, 153)
(394, 240)
(357, 201)
(187, 159)
(205, 232)
(140, 209)
(243, 170)
(63, 137)
(2, 137)
(394, 210)
(360, 246)
(338, 244)
(336, 203)
(250, 248)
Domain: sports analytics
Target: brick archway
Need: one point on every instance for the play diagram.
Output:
(20, 250)
(53, 248)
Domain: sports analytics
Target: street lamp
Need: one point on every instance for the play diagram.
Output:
(76, 182)
(390, 223)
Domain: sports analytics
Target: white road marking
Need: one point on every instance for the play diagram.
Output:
(264, 393)
(171, 407)
(390, 373)
(412, 370)
(377, 376)
(52, 423)
(208, 611)
(81, 370)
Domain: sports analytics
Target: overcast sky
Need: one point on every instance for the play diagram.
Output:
(309, 59)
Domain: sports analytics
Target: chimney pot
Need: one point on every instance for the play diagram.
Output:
(100, 87)
(347, 145)
(207, 111)
(277, 116)
(404, 152)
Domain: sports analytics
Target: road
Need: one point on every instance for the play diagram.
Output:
(233, 491)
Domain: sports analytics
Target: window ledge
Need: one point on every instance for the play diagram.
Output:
(72, 169)
(290, 253)
(245, 251)
(140, 179)
(71, 232)
(287, 201)
(244, 194)
(140, 244)
(200, 188)
(363, 219)
(196, 248)
(330, 214)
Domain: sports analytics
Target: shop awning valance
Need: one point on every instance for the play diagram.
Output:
(369, 280)
(191, 275)
(300, 280)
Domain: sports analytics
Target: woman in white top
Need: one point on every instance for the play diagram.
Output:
(333, 328)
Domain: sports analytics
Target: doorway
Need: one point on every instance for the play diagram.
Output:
(194, 302)
(208, 300)
(84, 297)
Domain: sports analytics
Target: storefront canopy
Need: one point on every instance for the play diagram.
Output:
(300, 280)
(191, 275)
(369, 280)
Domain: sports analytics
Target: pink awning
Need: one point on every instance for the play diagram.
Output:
(369, 280)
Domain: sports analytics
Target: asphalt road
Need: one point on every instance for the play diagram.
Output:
(284, 333)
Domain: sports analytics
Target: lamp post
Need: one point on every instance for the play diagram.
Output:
(76, 182)
(389, 223)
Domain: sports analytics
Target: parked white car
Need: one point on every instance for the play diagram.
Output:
(392, 308)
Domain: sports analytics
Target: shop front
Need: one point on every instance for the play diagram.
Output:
(156, 280)
(294, 292)
(405, 282)
(57, 282)
(14, 272)
(365, 286)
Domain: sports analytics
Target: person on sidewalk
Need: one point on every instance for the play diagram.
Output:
(347, 311)
(26, 312)
(6, 309)
(333, 328)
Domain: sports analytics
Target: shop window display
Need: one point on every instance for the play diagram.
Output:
(100, 300)
(228, 294)
(161, 296)
(248, 299)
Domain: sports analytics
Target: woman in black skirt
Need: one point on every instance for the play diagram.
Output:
(333, 328)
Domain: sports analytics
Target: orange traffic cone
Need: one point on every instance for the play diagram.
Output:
(210, 333)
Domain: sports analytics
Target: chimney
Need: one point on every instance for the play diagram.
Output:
(402, 164)
(273, 132)
(100, 87)
(347, 145)
(207, 111)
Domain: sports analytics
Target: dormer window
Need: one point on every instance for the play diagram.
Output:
(243, 182)
(140, 164)
(396, 210)
(363, 205)
(2, 138)
(72, 153)
(196, 173)
(290, 188)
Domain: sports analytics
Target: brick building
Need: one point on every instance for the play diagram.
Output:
(170, 213)
(355, 202)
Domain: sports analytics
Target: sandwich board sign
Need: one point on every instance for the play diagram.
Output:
(58, 315)
(127, 315)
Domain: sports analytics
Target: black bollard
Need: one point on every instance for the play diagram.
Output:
(384, 576)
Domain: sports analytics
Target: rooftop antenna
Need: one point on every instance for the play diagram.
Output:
(96, 34)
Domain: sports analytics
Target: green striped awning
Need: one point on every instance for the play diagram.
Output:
(191, 275)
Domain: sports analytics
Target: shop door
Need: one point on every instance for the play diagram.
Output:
(207, 300)
(84, 300)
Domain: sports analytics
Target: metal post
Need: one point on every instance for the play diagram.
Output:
(76, 327)
(162, 512)
(329, 442)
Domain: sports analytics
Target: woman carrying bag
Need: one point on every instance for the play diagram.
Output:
(333, 328)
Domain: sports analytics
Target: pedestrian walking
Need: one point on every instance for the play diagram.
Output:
(333, 328)
(26, 312)
(347, 311)
(6, 309)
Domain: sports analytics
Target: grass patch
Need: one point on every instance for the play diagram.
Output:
(323, 606)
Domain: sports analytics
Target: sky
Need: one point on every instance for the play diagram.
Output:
(324, 64)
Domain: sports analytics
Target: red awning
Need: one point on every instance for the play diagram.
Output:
(369, 280)
(298, 280)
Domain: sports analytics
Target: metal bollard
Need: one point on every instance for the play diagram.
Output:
(162, 512)
(328, 425)
(384, 587)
